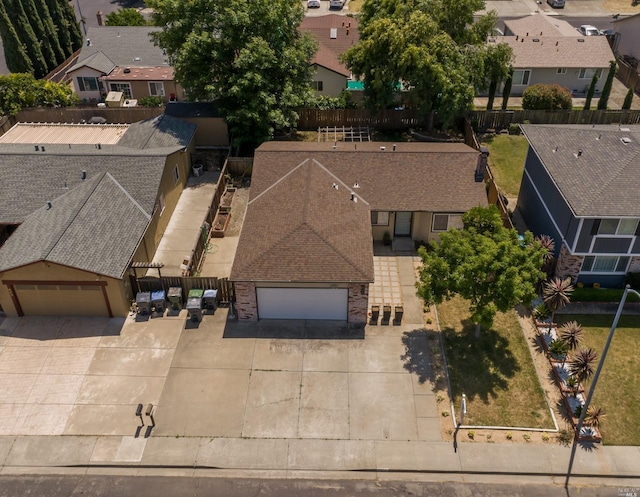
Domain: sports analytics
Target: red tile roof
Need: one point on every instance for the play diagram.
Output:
(140, 74)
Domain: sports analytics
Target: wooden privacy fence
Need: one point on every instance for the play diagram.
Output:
(312, 119)
(113, 115)
(629, 75)
(226, 289)
(499, 119)
(239, 166)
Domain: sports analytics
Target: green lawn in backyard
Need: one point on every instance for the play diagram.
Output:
(601, 295)
(506, 160)
(495, 371)
(618, 389)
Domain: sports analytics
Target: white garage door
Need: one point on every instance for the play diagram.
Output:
(303, 303)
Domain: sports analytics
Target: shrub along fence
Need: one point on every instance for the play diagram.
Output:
(484, 120)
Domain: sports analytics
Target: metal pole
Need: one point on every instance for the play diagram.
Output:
(587, 402)
(83, 21)
(463, 409)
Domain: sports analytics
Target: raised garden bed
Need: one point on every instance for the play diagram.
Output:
(227, 197)
(220, 224)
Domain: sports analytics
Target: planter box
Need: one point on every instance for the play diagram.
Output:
(375, 314)
(220, 225)
(386, 314)
(397, 317)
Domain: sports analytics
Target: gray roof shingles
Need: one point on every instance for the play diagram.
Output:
(95, 227)
(605, 179)
(158, 132)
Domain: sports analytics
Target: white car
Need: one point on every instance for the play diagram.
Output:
(588, 30)
(313, 4)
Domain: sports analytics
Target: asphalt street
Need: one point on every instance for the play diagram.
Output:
(142, 486)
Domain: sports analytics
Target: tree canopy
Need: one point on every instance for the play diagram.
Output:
(125, 17)
(485, 263)
(434, 48)
(248, 55)
(19, 91)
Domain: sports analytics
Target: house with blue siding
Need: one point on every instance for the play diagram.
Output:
(581, 186)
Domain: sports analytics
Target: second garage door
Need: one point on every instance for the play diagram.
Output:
(303, 303)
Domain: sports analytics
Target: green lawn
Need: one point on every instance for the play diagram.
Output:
(506, 160)
(601, 295)
(618, 390)
(495, 371)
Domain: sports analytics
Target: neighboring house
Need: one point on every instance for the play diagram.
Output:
(84, 201)
(626, 32)
(581, 186)
(306, 247)
(547, 50)
(335, 35)
(123, 59)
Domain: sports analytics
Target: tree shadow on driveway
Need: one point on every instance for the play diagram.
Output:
(417, 359)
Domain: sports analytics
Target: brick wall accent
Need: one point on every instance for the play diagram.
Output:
(358, 303)
(634, 265)
(246, 301)
(568, 264)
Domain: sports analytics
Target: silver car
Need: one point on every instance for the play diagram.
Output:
(588, 30)
(313, 4)
(556, 4)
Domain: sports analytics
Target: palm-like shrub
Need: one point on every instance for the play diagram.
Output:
(549, 245)
(556, 293)
(541, 312)
(581, 364)
(559, 348)
(573, 385)
(594, 417)
(571, 332)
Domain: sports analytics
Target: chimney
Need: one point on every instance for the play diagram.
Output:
(100, 17)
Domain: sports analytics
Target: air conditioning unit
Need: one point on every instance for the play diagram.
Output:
(114, 99)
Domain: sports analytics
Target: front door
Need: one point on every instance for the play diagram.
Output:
(402, 224)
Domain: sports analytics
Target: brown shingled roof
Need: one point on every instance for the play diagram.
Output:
(330, 49)
(299, 228)
(141, 74)
(560, 51)
(302, 229)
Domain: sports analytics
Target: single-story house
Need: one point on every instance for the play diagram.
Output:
(547, 50)
(123, 59)
(84, 201)
(335, 35)
(626, 32)
(315, 209)
(581, 186)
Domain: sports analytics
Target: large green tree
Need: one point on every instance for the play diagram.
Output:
(38, 19)
(14, 51)
(19, 90)
(27, 37)
(608, 84)
(434, 48)
(485, 263)
(248, 55)
(125, 17)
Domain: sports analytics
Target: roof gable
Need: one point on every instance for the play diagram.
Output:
(303, 229)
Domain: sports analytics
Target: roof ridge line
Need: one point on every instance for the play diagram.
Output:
(135, 202)
(86, 199)
(350, 188)
(278, 181)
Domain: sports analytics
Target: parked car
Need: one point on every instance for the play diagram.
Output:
(588, 30)
(336, 4)
(606, 32)
(556, 4)
(313, 4)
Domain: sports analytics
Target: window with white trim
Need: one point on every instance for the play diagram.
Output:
(87, 83)
(521, 77)
(156, 88)
(586, 73)
(125, 88)
(443, 222)
(605, 264)
(379, 218)
(618, 226)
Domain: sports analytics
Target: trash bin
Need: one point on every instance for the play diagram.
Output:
(175, 297)
(198, 169)
(143, 302)
(158, 301)
(194, 308)
(210, 299)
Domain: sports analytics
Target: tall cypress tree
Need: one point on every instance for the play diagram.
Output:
(50, 30)
(35, 21)
(14, 52)
(27, 37)
(72, 24)
(62, 26)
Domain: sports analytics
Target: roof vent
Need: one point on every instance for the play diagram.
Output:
(353, 197)
(48, 205)
(536, 40)
(599, 136)
(42, 148)
(555, 149)
(137, 59)
(127, 70)
(394, 147)
(356, 185)
(579, 154)
(333, 33)
(625, 130)
(383, 148)
(88, 42)
(334, 186)
(580, 40)
(37, 148)
(626, 140)
(84, 175)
